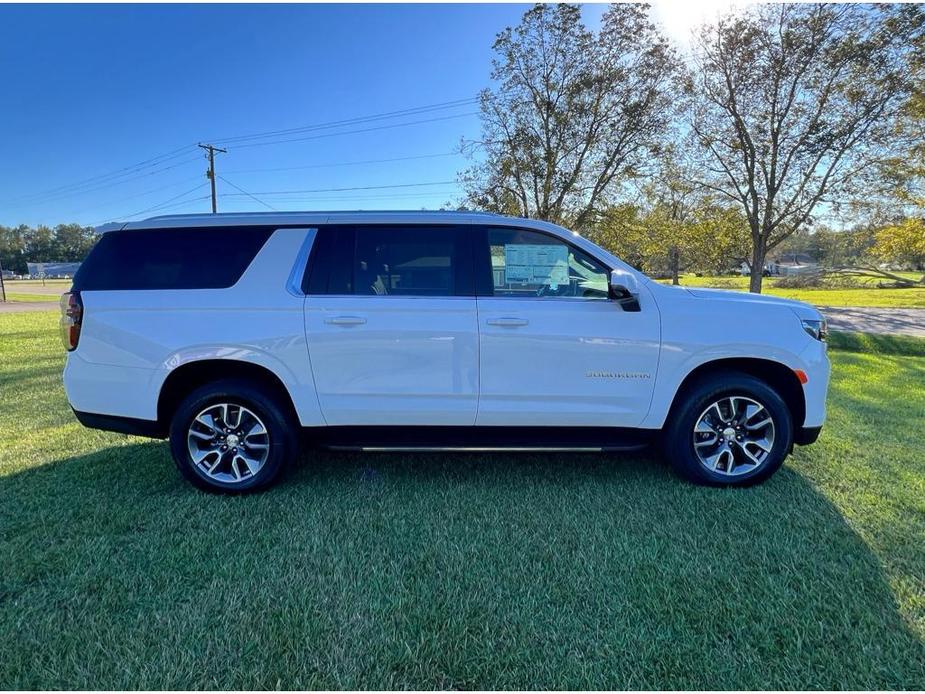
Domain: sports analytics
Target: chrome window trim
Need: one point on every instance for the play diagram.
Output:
(392, 296)
(572, 299)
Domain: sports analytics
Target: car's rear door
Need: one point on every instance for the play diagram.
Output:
(390, 317)
(554, 349)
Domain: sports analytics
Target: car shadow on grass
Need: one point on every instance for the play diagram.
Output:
(437, 571)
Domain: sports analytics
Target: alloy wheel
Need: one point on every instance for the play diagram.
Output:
(734, 436)
(228, 443)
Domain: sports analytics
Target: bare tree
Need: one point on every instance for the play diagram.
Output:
(572, 115)
(793, 105)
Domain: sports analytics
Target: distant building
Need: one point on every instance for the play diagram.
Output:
(793, 264)
(52, 270)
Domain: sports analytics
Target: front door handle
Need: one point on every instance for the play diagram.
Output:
(508, 322)
(345, 320)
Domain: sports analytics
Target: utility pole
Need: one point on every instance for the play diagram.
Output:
(2, 286)
(210, 174)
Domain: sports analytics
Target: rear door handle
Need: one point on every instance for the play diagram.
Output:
(508, 322)
(345, 320)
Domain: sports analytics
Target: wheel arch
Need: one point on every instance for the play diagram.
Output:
(776, 375)
(184, 379)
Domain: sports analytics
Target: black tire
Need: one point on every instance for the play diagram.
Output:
(678, 442)
(283, 443)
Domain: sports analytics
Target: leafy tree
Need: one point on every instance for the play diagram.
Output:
(11, 248)
(40, 243)
(717, 239)
(793, 105)
(622, 229)
(672, 195)
(23, 244)
(902, 244)
(905, 171)
(710, 239)
(72, 242)
(572, 116)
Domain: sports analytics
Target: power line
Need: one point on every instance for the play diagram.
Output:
(104, 186)
(171, 203)
(372, 196)
(163, 204)
(140, 195)
(362, 130)
(141, 170)
(169, 200)
(147, 163)
(347, 163)
(261, 170)
(337, 190)
(247, 194)
(162, 208)
(352, 121)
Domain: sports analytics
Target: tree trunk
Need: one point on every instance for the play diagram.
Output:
(674, 262)
(757, 269)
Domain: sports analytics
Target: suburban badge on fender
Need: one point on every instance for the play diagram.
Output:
(616, 374)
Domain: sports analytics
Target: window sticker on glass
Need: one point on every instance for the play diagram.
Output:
(536, 263)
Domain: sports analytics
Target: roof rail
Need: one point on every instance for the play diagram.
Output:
(108, 226)
(212, 215)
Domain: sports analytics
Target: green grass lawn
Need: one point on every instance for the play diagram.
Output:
(36, 290)
(452, 571)
(863, 296)
(22, 296)
(43, 284)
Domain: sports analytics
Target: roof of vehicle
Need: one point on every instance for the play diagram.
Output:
(333, 217)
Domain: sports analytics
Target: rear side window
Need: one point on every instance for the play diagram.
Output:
(197, 258)
(392, 261)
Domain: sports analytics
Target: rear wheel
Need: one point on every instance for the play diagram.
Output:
(730, 429)
(231, 436)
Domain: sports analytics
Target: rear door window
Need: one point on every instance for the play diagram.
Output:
(189, 258)
(392, 261)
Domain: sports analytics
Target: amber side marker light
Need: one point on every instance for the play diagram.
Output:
(804, 379)
(72, 313)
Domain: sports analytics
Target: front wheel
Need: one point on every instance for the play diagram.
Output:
(730, 430)
(230, 436)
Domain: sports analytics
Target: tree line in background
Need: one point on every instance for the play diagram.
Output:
(784, 122)
(23, 244)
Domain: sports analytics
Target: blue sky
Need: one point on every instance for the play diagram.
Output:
(90, 90)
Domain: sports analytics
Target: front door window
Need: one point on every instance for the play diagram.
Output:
(530, 264)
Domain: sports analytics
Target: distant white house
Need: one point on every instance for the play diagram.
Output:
(791, 264)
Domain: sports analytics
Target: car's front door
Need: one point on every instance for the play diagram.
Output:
(390, 318)
(554, 349)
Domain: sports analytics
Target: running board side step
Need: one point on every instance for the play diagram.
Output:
(486, 449)
(485, 439)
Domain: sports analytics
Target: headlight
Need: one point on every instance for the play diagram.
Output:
(818, 329)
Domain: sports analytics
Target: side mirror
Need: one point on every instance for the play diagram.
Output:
(624, 289)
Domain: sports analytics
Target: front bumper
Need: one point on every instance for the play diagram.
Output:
(816, 364)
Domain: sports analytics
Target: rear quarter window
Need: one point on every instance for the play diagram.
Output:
(196, 258)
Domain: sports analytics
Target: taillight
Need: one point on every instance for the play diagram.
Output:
(72, 313)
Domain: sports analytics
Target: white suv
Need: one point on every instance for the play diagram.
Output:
(235, 334)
